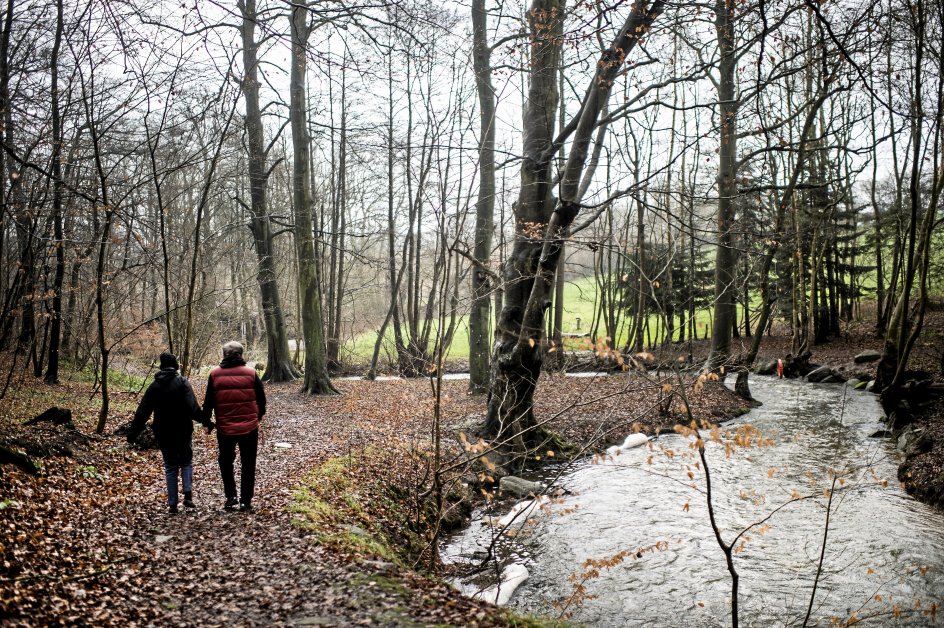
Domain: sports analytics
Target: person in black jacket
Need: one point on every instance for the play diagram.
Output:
(170, 398)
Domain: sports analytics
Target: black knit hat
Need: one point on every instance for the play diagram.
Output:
(169, 361)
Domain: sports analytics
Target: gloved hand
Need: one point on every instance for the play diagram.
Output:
(209, 427)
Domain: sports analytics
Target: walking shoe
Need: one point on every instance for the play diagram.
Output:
(188, 500)
(245, 508)
(230, 504)
(172, 509)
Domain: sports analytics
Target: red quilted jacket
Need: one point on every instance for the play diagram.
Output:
(232, 393)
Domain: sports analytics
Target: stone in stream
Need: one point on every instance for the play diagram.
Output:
(869, 355)
(632, 441)
(767, 368)
(919, 443)
(512, 577)
(519, 487)
(824, 375)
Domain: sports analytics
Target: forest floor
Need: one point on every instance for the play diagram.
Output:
(89, 541)
(338, 531)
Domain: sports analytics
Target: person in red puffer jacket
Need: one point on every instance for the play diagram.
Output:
(235, 393)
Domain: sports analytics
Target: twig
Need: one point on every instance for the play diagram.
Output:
(725, 547)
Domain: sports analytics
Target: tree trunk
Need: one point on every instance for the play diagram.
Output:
(185, 362)
(541, 225)
(316, 371)
(480, 318)
(725, 271)
(903, 328)
(52, 368)
(279, 366)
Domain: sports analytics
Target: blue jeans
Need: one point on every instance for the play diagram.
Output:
(173, 464)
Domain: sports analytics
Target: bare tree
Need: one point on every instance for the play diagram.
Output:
(541, 222)
(316, 372)
(278, 363)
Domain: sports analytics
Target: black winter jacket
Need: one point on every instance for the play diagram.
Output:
(170, 398)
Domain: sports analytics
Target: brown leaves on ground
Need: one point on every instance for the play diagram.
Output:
(90, 542)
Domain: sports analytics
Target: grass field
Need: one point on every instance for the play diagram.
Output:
(579, 302)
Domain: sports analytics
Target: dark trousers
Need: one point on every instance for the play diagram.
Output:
(248, 445)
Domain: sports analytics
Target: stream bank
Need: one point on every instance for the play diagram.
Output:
(90, 540)
(628, 542)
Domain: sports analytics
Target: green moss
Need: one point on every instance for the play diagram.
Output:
(331, 504)
(387, 584)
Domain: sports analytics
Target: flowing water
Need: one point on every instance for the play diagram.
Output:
(884, 552)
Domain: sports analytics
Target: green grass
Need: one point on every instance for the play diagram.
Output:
(117, 379)
(361, 347)
(580, 298)
(579, 305)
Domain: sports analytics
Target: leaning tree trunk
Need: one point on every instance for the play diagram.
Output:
(309, 288)
(541, 225)
(742, 386)
(279, 366)
(904, 327)
(516, 360)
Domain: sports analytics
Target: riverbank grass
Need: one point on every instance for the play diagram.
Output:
(354, 508)
(330, 503)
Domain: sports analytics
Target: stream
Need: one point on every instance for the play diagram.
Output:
(884, 556)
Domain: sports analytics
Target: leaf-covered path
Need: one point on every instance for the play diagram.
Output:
(93, 543)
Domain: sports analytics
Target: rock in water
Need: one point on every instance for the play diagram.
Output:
(869, 355)
(519, 487)
(512, 577)
(767, 368)
(633, 440)
(820, 374)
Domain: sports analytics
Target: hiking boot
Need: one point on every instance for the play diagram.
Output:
(245, 508)
(188, 500)
(230, 504)
(172, 510)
